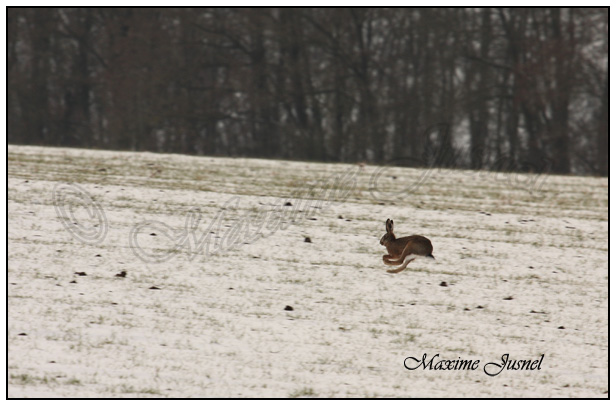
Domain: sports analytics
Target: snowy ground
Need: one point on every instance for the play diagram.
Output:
(524, 261)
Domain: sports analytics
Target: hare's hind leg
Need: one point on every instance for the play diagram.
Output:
(407, 260)
(406, 257)
(389, 260)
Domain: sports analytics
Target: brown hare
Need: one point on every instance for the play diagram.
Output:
(403, 250)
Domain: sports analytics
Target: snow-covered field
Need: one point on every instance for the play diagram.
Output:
(246, 307)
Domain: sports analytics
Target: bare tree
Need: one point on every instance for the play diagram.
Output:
(504, 89)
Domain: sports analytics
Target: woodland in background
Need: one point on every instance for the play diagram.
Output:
(484, 88)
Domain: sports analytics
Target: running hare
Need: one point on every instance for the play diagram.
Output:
(403, 250)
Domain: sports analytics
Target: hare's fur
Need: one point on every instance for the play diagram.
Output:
(402, 251)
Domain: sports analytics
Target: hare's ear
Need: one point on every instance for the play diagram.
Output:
(388, 225)
(391, 225)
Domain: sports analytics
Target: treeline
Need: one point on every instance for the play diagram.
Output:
(470, 88)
